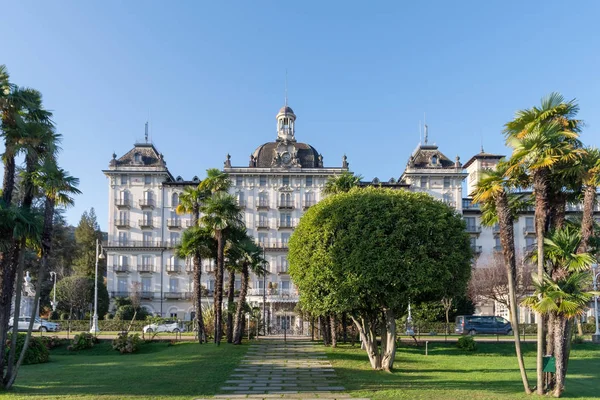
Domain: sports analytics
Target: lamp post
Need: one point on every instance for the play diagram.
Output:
(596, 336)
(99, 256)
(53, 302)
(264, 293)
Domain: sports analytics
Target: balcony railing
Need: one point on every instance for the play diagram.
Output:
(468, 205)
(262, 225)
(122, 223)
(275, 293)
(146, 203)
(282, 269)
(476, 249)
(262, 205)
(123, 203)
(173, 295)
(208, 269)
(172, 243)
(134, 243)
(147, 295)
(119, 294)
(285, 224)
(146, 268)
(273, 244)
(308, 204)
(286, 205)
(173, 268)
(121, 268)
(529, 230)
(188, 223)
(174, 223)
(146, 223)
(474, 228)
(189, 269)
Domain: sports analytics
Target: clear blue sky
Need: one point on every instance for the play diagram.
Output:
(210, 76)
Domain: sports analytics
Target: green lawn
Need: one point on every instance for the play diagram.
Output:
(158, 371)
(449, 373)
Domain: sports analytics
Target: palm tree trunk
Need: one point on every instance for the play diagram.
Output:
(239, 312)
(8, 182)
(8, 274)
(540, 188)
(560, 352)
(198, 295)
(218, 300)
(230, 304)
(587, 220)
(507, 238)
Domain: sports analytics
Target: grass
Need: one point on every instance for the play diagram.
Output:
(157, 371)
(450, 373)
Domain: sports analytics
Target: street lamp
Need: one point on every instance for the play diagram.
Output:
(53, 302)
(99, 256)
(596, 336)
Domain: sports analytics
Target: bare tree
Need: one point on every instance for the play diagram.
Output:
(489, 281)
(135, 296)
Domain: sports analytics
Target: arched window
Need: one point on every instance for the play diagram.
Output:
(434, 160)
(137, 157)
(175, 199)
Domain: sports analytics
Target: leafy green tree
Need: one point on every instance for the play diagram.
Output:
(86, 234)
(368, 252)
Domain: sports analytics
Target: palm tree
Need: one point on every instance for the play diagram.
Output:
(221, 215)
(251, 260)
(216, 181)
(190, 202)
(543, 138)
(492, 192)
(197, 243)
(58, 187)
(588, 170)
(341, 183)
(562, 294)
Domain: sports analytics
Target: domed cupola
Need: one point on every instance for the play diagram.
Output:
(286, 124)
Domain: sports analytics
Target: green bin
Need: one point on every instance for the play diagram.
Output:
(549, 364)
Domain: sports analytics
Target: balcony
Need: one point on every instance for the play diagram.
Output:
(120, 268)
(173, 268)
(476, 249)
(273, 245)
(122, 223)
(123, 203)
(154, 243)
(285, 224)
(241, 203)
(146, 268)
(188, 223)
(172, 243)
(119, 294)
(146, 204)
(174, 223)
(282, 270)
(467, 204)
(209, 269)
(474, 229)
(189, 269)
(276, 294)
(262, 205)
(286, 205)
(308, 204)
(262, 225)
(146, 295)
(146, 223)
(173, 295)
(529, 230)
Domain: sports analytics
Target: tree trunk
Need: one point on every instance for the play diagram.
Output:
(323, 329)
(587, 220)
(507, 238)
(333, 329)
(8, 183)
(540, 188)
(218, 300)
(16, 313)
(366, 328)
(560, 352)
(239, 312)
(198, 295)
(312, 328)
(388, 342)
(8, 274)
(230, 304)
(344, 328)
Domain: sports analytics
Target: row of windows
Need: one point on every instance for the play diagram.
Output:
(175, 285)
(425, 181)
(263, 179)
(125, 179)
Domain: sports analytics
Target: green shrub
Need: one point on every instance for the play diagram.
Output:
(51, 341)
(83, 341)
(108, 317)
(467, 343)
(126, 313)
(36, 350)
(578, 339)
(126, 343)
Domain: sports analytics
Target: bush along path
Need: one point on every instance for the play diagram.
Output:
(296, 369)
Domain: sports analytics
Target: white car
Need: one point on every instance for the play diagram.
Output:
(38, 324)
(167, 326)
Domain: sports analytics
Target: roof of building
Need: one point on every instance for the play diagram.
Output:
(308, 156)
(483, 156)
(148, 157)
(286, 110)
(428, 156)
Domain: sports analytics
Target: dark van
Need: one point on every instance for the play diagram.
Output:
(474, 324)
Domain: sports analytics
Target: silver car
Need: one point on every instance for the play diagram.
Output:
(167, 326)
(38, 324)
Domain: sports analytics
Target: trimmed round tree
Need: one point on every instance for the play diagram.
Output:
(368, 252)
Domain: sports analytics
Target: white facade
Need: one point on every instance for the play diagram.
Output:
(283, 178)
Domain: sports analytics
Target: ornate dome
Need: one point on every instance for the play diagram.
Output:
(307, 156)
(286, 110)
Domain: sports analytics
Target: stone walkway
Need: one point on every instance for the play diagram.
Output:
(273, 369)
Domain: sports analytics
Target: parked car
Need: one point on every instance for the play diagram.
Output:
(38, 324)
(167, 326)
(474, 324)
